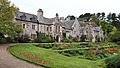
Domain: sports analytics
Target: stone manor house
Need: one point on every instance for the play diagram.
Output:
(56, 26)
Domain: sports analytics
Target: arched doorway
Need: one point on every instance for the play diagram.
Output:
(57, 38)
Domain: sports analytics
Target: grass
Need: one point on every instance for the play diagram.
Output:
(50, 58)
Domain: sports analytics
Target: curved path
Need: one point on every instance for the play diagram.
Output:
(9, 61)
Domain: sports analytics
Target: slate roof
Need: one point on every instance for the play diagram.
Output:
(26, 17)
(97, 29)
(48, 20)
(68, 24)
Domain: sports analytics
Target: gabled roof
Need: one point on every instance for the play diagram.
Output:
(48, 20)
(68, 24)
(26, 17)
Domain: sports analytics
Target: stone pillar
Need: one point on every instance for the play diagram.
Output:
(93, 40)
(59, 39)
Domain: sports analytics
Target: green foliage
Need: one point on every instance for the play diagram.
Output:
(91, 51)
(10, 40)
(83, 37)
(86, 16)
(7, 25)
(115, 37)
(43, 38)
(3, 40)
(24, 39)
(52, 59)
(70, 39)
(113, 62)
(106, 27)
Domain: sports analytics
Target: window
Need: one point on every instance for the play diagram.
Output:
(23, 25)
(50, 28)
(33, 27)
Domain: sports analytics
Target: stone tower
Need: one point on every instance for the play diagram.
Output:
(57, 28)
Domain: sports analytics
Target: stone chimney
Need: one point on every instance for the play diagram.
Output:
(40, 14)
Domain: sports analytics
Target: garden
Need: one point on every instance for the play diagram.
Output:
(90, 51)
(66, 55)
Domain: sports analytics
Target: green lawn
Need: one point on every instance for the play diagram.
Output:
(50, 58)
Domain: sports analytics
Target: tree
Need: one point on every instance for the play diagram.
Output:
(109, 16)
(7, 24)
(103, 15)
(106, 27)
(114, 30)
(116, 37)
(113, 16)
(71, 17)
(86, 16)
(119, 16)
(98, 15)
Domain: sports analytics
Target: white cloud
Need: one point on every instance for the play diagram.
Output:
(68, 7)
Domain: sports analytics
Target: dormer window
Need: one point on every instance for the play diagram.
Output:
(32, 18)
(23, 17)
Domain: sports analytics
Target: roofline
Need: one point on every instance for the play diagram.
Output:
(26, 20)
(26, 13)
(33, 22)
(66, 28)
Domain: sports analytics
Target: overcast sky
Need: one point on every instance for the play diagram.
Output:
(67, 7)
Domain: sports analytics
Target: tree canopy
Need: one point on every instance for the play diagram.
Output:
(7, 14)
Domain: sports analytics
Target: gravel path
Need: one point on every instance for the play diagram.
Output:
(9, 61)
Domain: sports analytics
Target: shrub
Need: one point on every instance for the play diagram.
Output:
(42, 38)
(70, 39)
(3, 40)
(10, 40)
(47, 46)
(24, 39)
(82, 38)
(115, 37)
(113, 62)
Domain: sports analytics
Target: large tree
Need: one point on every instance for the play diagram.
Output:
(7, 24)
(106, 27)
(71, 17)
(98, 15)
(103, 15)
